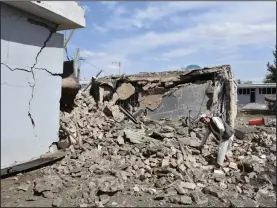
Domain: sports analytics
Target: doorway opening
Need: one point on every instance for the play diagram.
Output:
(252, 95)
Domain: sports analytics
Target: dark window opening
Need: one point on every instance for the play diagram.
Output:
(240, 91)
(264, 90)
(273, 91)
(247, 91)
(268, 91)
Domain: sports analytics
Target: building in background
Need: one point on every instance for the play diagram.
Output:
(254, 93)
(32, 56)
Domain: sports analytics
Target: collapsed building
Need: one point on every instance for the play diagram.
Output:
(113, 151)
(172, 94)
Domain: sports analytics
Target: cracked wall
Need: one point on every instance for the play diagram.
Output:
(31, 65)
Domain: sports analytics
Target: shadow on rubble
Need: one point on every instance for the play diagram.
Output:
(66, 105)
(27, 167)
(258, 112)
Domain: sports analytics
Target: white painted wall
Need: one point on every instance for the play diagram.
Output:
(21, 41)
(245, 99)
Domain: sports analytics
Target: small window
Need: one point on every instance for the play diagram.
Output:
(244, 91)
(260, 91)
(240, 91)
(264, 91)
(268, 91)
(247, 91)
(273, 91)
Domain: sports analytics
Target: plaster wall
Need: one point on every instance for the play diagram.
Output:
(178, 103)
(31, 65)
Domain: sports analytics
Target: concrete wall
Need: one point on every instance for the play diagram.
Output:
(29, 96)
(68, 14)
(175, 105)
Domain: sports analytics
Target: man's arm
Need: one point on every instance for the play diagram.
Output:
(204, 140)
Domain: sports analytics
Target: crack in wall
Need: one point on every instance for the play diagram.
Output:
(42, 24)
(26, 70)
(19, 69)
(51, 32)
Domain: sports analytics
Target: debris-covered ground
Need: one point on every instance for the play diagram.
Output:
(114, 162)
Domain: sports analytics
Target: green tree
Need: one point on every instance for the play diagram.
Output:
(247, 82)
(271, 68)
(238, 81)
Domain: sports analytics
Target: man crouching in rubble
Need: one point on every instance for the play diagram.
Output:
(223, 132)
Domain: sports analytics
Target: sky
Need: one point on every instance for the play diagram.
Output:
(159, 36)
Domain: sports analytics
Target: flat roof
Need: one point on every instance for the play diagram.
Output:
(67, 14)
(84, 82)
(257, 85)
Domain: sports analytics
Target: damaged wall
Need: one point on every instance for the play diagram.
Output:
(178, 103)
(31, 65)
(174, 94)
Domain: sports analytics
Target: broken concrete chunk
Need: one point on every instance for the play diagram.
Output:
(41, 187)
(111, 185)
(273, 148)
(125, 90)
(57, 202)
(188, 185)
(167, 129)
(113, 111)
(63, 144)
(182, 167)
(136, 137)
(104, 198)
(48, 195)
(173, 162)
(32, 198)
(115, 98)
(136, 189)
(214, 191)
(233, 165)
(120, 140)
(199, 198)
(180, 190)
(242, 202)
(165, 162)
(218, 174)
(241, 132)
(182, 131)
(193, 135)
(193, 142)
(185, 200)
(24, 187)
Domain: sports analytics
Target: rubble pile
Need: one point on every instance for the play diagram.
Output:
(109, 154)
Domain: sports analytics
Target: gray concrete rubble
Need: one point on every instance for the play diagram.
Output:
(110, 155)
(110, 160)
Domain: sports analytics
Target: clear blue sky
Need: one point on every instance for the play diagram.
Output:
(158, 36)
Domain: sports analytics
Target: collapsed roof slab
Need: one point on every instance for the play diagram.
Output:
(174, 94)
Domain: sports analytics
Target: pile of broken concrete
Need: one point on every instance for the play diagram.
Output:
(110, 155)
